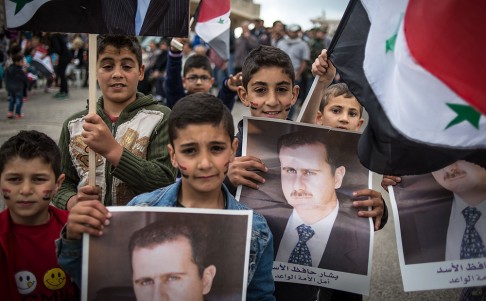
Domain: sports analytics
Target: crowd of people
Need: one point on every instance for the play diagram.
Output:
(162, 139)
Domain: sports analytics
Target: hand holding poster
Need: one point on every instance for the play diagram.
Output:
(441, 227)
(185, 254)
(318, 237)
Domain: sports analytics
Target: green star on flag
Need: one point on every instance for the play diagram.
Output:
(221, 21)
(390, 43)
(464, 113)
(20, 4)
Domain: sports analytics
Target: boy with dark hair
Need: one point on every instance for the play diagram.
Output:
(30, 175)
(202, 145)
(269, 90)
(197, 77)
(128, 133)
(16, 81)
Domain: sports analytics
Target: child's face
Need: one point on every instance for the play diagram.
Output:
(118, 74)
(198, 80)
(341, 112)
(202, 153)
(270, 93)
(28, 187)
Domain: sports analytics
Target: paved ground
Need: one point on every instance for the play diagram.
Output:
(46, 114)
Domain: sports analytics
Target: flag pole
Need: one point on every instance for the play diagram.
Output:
(92, 38)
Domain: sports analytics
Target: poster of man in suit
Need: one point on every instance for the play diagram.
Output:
(307, 202)
(151, 253)
(441, 227)
(132, 17)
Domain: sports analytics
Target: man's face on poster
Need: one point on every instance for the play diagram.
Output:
(308, 181)
(167, 272)
(461, 176)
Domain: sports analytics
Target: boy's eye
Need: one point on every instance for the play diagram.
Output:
(39, 179)
(127, 67)
(353, 113)
(336, 110)
(107, 67)
(14, 179)
(260, 90)
(217, 148)
(188, 151)
(282, 89)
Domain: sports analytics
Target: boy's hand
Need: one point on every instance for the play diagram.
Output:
(323, 67)
(242, 171)
(99, 138)
(88, 216)
(85, 193)
(234, 81)
(389, 180)
(375, 201)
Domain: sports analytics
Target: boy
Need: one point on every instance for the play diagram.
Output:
(268, 89)
(202, 144)
(128, 133)
(30, 174)
(16, 81)
(196, 78)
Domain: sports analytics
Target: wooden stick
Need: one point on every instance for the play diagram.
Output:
(92, 102)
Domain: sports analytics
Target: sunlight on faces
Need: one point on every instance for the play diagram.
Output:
(118, 74)
(307, 179)
(270, 93)
(341, 112)
(28, 186)
(167, 272)
(462, 177)
(202, 152)
(200, 85)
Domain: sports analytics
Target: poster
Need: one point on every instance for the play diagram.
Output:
(302, 188)
(147, 250)
(430, 227)
(157, 18)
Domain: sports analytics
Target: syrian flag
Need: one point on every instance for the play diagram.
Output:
(418, 67)
(19, 12)
(213, 25)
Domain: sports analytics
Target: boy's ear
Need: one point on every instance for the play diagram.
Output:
(360, 123)
(234, 148)
(142, 73)
(59, 181)
(173, 160)
(319, 118)
(242, 94)
(295, 94)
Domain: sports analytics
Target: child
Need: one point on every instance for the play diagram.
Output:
(201, 146)
(268, 89)
(196, 78)
(128, 133)
(30, 174)
(16, 81)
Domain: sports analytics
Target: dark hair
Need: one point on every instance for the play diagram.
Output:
(165, 231)
(335, 91)
(197, 61)
(266, 56)
(199, 108)
(300, 138)
(17, 58)
(29, 145)
(119, 42)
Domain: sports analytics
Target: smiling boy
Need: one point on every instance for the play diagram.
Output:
(30, 175)
(128, 133)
